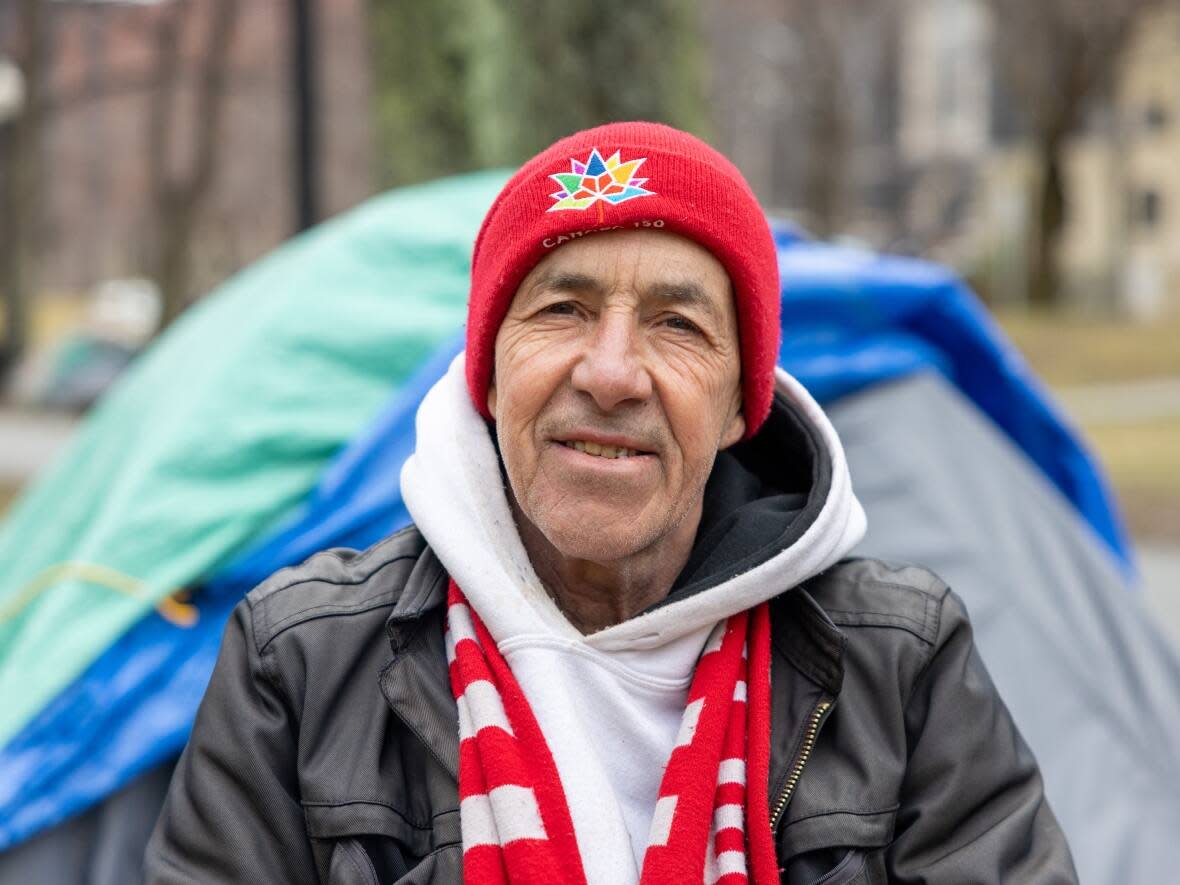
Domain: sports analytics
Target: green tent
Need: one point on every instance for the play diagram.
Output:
(215, 434)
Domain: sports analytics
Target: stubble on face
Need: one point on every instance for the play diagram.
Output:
(629, 340)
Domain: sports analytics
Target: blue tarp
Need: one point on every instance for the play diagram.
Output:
(851, 319)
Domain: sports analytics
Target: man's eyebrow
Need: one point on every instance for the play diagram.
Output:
(686, 292)
(564, 280)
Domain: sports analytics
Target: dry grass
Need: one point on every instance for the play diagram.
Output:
(1142, 458)
(1143, 461)
(1069, 350)
(1134, 452)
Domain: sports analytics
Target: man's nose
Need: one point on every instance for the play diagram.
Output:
(612, 368)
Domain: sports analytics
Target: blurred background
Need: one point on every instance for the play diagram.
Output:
(148, 150)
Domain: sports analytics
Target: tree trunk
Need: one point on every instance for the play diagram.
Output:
(179, 198)
(1059, 58)
(827, 166)
(21, 193)
(1044, 275)
(95, 256)
(820, 24)
(173, 261)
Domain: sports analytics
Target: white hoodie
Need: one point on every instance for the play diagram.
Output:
(609, 704)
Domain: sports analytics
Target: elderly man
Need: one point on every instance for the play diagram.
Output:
(620, 643)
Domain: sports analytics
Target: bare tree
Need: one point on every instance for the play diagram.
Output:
(1057, 59)
(179, 195)
(795, 93)
(97, 177)
(821, 28)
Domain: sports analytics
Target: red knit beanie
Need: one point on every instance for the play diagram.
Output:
(625, 176)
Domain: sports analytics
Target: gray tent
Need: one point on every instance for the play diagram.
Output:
(1092, 682)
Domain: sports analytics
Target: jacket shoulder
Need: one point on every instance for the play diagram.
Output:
(335, 582)
(875, 593)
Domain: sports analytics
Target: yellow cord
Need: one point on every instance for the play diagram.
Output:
(171, 608)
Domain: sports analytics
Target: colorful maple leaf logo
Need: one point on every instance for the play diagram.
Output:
(597, 181)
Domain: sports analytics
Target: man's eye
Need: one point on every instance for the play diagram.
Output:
(561, 308)
(682, 324)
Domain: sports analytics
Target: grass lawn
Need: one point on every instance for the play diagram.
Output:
(1084, 350)
(1142, 458)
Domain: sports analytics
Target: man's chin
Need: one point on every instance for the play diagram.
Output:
(597, 540)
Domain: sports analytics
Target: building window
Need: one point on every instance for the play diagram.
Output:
(1147, 208)
(1155, 117)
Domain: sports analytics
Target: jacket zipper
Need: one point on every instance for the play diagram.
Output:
(813, 726)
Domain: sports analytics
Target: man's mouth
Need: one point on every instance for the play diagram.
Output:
(600, 451)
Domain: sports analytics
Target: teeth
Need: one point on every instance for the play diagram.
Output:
(591, 448)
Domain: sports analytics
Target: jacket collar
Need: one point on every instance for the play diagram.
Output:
(804, 636)
(425, 589)
(416, 682)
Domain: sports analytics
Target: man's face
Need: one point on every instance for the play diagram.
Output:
(616, 381)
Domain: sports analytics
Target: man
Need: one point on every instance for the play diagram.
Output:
(620, 643)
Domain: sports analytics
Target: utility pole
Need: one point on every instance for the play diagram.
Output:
(306, 158)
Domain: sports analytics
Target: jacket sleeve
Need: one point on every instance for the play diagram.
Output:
(973, 808)
(232, 813)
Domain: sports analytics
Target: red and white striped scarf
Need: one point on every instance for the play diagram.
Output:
(711, 821)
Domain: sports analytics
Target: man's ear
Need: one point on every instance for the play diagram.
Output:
(492, 398)
(734, 430)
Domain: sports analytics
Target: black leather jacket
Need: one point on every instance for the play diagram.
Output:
(326, 748)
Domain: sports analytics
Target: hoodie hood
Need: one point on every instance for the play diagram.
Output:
(796, 516)
(778, 508)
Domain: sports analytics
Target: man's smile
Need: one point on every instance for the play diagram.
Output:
(603, 460)
(610, 446)
(593, 448)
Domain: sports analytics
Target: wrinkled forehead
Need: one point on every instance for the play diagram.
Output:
(647, 264)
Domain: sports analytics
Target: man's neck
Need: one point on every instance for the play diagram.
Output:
(597, 595)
